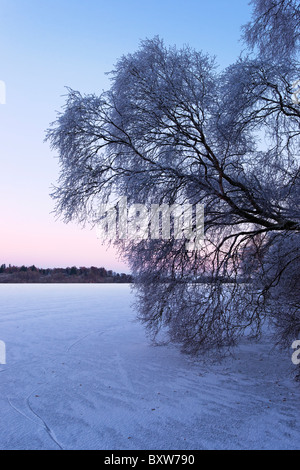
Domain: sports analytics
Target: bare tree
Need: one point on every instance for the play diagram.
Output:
(174, 129)
(275, 28)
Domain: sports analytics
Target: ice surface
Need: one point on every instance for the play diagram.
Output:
(81, 374)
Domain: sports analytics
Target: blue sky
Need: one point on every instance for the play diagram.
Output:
(46, 45)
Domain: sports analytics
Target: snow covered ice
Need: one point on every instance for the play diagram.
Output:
(81, 374)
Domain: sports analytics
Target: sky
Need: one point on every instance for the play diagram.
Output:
(48, 45)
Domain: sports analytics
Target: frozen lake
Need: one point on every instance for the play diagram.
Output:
(81, 374)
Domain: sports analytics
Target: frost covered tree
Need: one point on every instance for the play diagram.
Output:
(275, 28)
(173, 129)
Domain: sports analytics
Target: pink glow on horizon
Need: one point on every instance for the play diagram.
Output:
(48, 46)
(56, 245)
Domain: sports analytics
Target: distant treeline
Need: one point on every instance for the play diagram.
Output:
(32, 274)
